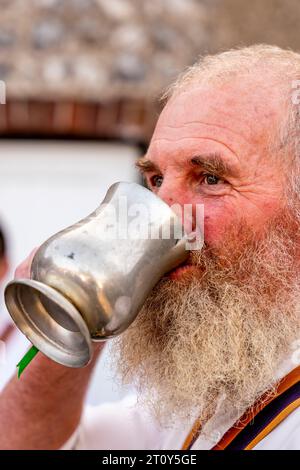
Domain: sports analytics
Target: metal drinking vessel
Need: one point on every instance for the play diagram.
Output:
(88, 284)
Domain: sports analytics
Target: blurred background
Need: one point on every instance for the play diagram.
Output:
(83, 80)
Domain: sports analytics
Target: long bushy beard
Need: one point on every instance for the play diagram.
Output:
(220, 330)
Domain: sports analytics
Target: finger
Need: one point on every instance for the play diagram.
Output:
(23, 270)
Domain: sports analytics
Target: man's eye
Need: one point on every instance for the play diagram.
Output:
(211, 179)
(156, 181)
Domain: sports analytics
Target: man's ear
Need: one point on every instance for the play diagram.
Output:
(3, 267)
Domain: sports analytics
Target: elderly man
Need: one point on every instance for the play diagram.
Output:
(216, 342)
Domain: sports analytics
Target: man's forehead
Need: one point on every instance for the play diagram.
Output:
(237, 105)
(199, 119)
(236, 121)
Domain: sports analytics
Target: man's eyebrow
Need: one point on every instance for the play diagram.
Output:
(213, 163)
(210, 162)
(144, 165)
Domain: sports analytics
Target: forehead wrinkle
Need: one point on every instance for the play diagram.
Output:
(158, 139)
(240, 113)
(219, 126)
(233, 117)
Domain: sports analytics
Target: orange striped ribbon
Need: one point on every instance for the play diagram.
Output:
(288, 381)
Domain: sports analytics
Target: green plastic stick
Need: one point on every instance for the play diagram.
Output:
(26, 359)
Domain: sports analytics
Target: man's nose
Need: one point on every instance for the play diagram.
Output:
(167, 194)
(176, 197)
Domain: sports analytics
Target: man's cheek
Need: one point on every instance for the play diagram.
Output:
(216, 223)
(213, 233)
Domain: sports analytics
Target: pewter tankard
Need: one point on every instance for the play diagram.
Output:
(89, 281)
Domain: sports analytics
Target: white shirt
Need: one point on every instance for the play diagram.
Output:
(124, 425)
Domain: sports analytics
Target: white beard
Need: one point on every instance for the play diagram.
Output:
(221, 330)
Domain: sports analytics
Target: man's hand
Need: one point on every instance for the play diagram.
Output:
(23, 270)
(42, 409)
